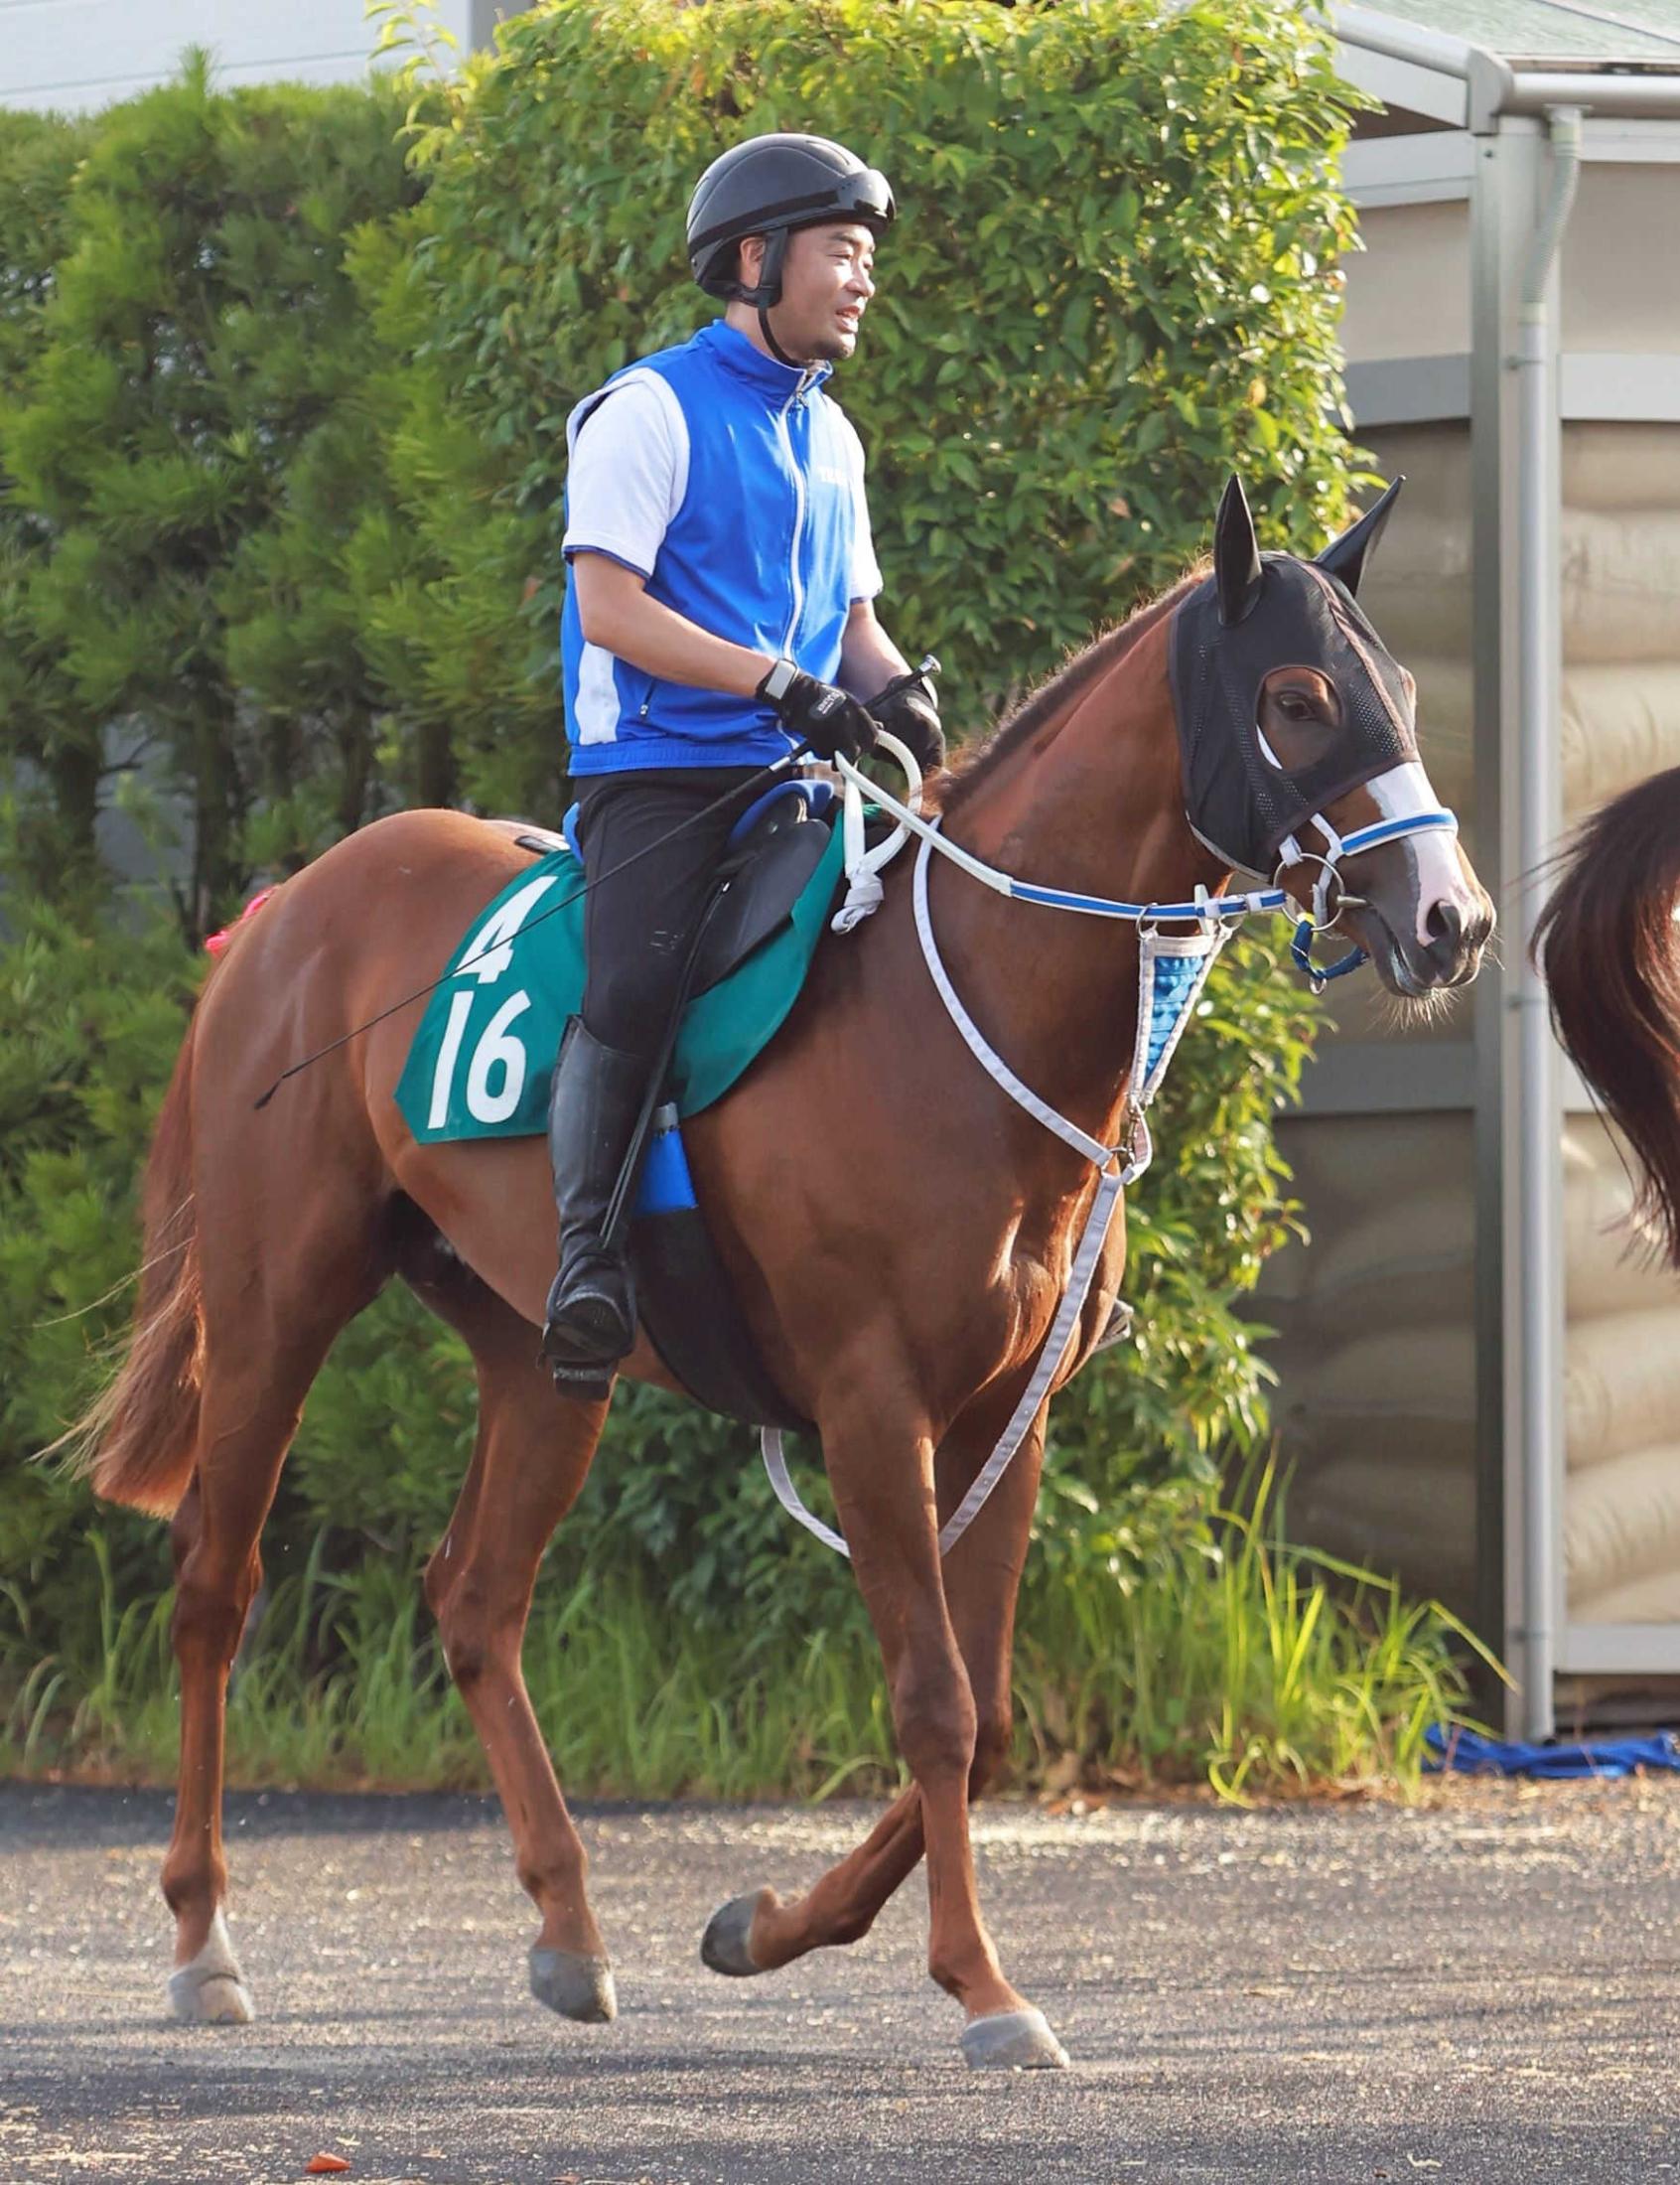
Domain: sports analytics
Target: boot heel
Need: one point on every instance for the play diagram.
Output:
(587, 1331)
(593, 1112)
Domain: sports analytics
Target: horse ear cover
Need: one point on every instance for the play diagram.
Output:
(1237, 554)
(1344, 558)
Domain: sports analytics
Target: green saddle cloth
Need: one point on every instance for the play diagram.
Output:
(483, 1057)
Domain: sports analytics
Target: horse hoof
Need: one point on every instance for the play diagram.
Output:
(1013, 2040)
(210, 1990)
(576, 1986)
(722, 1947)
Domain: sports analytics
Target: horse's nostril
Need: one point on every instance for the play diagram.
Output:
(1445, 928)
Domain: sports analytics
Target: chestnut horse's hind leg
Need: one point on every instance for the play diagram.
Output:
(531, 1458)
(756, 1932)
(253, 1392)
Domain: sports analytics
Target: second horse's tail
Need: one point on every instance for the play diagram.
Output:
(1609, 948)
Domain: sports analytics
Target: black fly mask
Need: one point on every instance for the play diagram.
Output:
(1255, 613)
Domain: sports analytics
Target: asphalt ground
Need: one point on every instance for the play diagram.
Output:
(1485, 1990)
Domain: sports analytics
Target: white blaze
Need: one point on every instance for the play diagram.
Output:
(1401, 794)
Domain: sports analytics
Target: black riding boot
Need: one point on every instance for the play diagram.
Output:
(591, 1114)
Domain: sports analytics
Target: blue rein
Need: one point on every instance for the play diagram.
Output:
(1437, 821)
(1202, 908)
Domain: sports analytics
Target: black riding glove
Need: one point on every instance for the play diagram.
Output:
(830, 720)
(909, 709)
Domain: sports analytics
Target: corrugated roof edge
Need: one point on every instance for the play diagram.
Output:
(1629, 90)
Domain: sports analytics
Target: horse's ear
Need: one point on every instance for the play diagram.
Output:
(1237, 554)
(1345, 557)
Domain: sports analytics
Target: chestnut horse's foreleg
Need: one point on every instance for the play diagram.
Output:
(757, 1933)
(531, 1458)
(883, 1490)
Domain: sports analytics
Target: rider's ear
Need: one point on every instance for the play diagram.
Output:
(1345, 557)
(1237, 554)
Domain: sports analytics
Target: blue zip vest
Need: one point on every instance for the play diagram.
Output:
(759, 551)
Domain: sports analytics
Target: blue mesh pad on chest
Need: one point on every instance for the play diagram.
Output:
(1174, 985)
(484, 1053)
(1170, 975)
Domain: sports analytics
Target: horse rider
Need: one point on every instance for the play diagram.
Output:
(719, 612)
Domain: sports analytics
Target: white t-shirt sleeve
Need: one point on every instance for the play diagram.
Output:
(865, 581)
(627, 473)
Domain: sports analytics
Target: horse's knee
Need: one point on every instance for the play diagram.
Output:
(467, 1652)
(934, 1716)
(475, 1635)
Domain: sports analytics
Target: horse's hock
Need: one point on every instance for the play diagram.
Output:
(1376, 1319)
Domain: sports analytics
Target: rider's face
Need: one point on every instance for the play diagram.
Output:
(825, 289)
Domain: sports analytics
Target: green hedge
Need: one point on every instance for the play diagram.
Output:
(281, 458)
(187, 422)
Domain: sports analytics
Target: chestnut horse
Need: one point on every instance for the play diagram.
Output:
(898, 1290)
(1611, 952)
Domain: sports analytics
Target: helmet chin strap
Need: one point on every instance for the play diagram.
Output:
(768, 292)
(772, 345)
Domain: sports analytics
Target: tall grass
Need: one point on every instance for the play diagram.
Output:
(344, 1683)
(1242, 1658)
(1227, 1655)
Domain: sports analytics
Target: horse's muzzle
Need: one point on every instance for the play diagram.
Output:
(1457, 932)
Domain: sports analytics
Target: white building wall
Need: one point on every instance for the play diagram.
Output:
(1408, 288)
(74, 54)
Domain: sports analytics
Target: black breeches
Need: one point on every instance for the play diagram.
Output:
(637, 925)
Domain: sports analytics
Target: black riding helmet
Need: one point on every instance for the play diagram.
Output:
(770, 186)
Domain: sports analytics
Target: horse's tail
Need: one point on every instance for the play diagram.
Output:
(137, 1440)
(1609, 948)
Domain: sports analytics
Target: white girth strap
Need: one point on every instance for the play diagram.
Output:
(1086, 1253)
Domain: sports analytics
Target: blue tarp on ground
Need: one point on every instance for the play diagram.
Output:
(1463, 1752)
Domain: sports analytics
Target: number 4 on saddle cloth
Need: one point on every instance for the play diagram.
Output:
(483, 1055)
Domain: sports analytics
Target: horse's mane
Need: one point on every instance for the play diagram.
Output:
(980, 760)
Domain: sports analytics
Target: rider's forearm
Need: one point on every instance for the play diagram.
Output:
(869, 659)
(661, 643)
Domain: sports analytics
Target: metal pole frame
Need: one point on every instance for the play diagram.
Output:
(1504, 192)
(1520, 1272)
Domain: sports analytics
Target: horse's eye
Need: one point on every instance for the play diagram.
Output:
(1294, 707)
